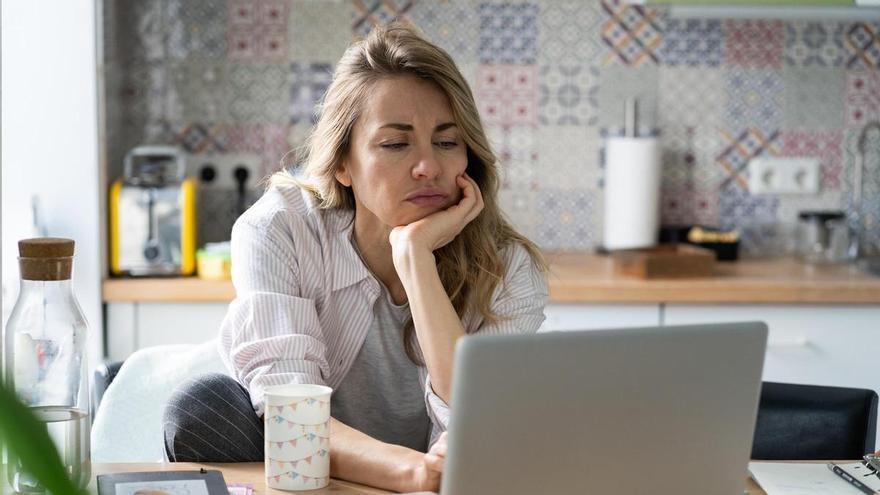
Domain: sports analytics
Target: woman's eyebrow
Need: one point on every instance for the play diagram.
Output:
(407, 127)
(444, 126)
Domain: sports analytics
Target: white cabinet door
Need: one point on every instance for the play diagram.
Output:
(599, 316)
(834, 345)
(121, 330)
(178, 323)
(133, 326)
(823, 345)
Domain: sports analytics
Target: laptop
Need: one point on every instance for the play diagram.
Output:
(656, 410)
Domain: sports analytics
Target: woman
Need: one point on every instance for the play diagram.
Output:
(363, 271)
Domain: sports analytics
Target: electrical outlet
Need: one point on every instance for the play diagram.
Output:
(224, 166)
(773, 175)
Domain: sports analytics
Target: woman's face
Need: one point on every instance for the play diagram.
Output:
(405, 154)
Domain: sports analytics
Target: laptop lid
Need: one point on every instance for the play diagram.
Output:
(642, 410)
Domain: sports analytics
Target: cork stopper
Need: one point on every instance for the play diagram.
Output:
(45, 247)
(45, 258)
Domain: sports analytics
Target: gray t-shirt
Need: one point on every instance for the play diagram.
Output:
(381, 394)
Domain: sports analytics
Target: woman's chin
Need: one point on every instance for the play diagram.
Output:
(416, 215)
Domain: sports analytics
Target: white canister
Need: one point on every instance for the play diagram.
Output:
(632, 192)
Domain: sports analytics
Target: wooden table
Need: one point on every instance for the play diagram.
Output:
(252, 472)
(243, 472)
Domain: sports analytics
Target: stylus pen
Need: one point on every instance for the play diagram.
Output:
(852, 481)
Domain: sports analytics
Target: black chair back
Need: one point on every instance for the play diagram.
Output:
(810, 422)
(104, 375)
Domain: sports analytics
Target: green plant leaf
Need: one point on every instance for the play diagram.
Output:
(27, 439)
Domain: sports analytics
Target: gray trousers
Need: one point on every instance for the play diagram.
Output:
(210, 419)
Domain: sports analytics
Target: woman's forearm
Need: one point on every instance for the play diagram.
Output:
(436, 322)
(355, 456)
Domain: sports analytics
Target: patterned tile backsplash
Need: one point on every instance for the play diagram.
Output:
(549, 76)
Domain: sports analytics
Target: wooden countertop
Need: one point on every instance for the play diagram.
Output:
(590, 278)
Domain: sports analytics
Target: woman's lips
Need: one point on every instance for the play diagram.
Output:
(429, 200)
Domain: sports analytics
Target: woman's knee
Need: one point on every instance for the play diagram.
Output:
(204, 415)
(198, 394)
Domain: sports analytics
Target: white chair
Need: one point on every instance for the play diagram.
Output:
(128, 423)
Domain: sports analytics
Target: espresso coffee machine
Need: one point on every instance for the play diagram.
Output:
(152, 215)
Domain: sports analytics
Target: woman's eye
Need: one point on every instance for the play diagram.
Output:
(394, 146)
(447, 144)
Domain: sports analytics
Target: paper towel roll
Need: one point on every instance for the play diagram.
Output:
(632, 192)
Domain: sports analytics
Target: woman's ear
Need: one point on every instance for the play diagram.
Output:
(343, 176)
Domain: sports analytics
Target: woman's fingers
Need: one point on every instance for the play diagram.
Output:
(436, 454)
(439, 448)
(478, 196)
(478, 193)
(468, 198)
(472, 200)
(464, 211)
(434, 462)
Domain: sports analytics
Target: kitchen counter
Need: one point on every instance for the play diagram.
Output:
(590, 278)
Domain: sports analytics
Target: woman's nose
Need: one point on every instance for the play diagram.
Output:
(427, 166)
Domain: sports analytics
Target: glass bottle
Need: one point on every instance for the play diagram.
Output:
(45, 358)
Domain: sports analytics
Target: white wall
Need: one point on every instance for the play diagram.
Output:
(50, 141)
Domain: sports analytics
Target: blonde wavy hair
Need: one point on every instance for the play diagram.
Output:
(470, 266)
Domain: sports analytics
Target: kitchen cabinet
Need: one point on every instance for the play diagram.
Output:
(598, 316)
(136, 325)
(831, 344)
(140, 324)
(836, 345)
(824, 345)
(824, 320)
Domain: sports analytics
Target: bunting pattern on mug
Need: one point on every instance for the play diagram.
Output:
(282, 419)
(296, 462)
(289, 468)
(322, 429)
(293, 405)
(311, 437)
(294, 475)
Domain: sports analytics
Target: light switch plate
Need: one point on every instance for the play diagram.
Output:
(775, 175)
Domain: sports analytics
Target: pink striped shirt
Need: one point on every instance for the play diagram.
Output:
(304, 299)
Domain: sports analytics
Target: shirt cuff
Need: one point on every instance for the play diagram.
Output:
(438, 410)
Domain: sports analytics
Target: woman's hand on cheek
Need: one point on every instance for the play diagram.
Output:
(439, 228)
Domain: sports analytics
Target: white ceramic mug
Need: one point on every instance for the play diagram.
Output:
(297, 436)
